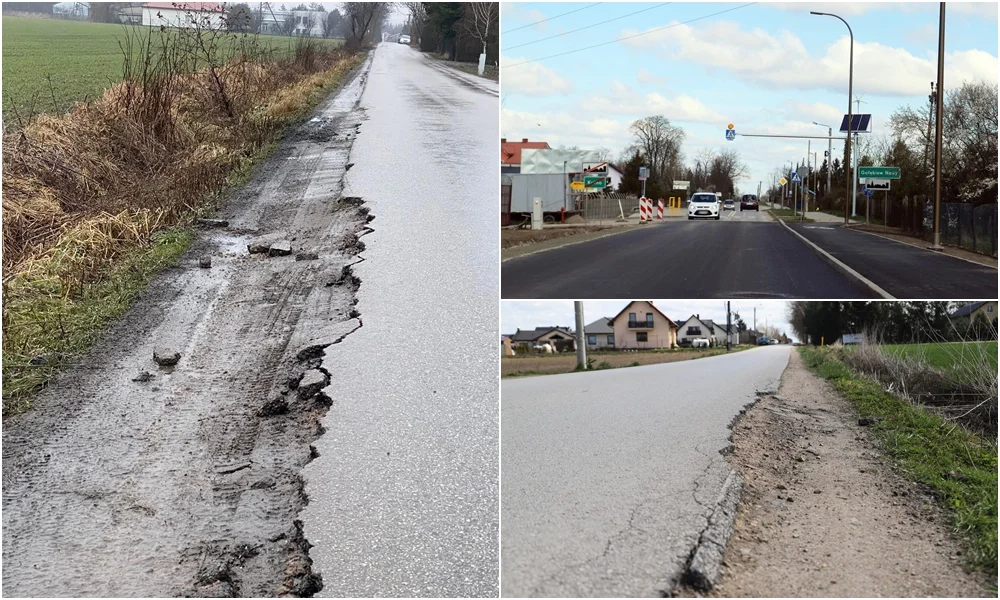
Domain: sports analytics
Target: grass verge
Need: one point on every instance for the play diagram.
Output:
(532, 365)
(958, 466)
(789, 216)
(94, 264)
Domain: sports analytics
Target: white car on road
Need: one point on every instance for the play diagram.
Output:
(703, 206)
(404, 39)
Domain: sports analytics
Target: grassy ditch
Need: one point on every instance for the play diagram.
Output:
(95, 201)
(535, 364)
(959, 466)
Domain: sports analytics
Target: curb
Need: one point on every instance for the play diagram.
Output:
(625, 229)
(703, 568)
(979, 264)
(840, 266)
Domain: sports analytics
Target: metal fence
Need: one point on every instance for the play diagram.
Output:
(965, 226)
(605, 207)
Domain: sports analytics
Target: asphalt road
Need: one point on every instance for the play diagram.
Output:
(608, 477)
(744, 254)
(903, 271)
(404, 495)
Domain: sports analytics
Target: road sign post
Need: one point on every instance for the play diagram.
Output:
(731, 133)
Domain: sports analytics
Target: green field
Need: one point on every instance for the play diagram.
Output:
(80, 58)
(955, 357)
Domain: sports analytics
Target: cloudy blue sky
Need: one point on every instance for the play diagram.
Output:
(767, 68)
(528, 314)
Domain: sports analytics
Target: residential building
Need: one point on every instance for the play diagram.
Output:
(695, 328)
(977, 310)
(721, 334)
(614, 177)
(558, 337)
(640, 325)
(600, 334)
(184, 14)
(510, 153)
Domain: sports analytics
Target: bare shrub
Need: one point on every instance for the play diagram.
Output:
(965, 391)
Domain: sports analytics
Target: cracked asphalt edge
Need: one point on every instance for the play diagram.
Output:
(703, 565)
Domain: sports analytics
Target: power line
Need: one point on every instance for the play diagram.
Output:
(587, 27)
(628, 37)
(550, 18)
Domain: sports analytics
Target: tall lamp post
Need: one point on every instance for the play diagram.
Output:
(938, 116)
(829, 152)
(850, 113)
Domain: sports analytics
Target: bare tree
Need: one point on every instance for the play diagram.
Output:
(483, 17)
(361, 17)
(660, 143)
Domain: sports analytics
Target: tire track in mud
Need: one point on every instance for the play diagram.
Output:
(189, 483)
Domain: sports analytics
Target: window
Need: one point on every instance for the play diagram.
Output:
(694, 331)
(989, 308)
(611, 340)
(649, 319)
(641, 336)
(592, 340)
(631, 317)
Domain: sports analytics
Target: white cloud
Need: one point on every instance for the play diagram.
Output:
(620, 99)
(973, 9)
(532, 79)
(781, 60)
(564, 129)
(647, 78)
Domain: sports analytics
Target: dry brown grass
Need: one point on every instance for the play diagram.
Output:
(87, 192)
(514, 366)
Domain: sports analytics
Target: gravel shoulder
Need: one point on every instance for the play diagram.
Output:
(823, 514)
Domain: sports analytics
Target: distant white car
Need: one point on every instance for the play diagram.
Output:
(699, 343)
(703, 206)
(404, 39)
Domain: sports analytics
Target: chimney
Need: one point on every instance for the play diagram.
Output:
(503, 140)
(524, 140)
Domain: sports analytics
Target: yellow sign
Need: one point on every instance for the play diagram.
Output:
(782, 181)
(576, 186)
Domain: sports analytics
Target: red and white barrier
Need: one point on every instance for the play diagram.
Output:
(659, 209)
(642, 210)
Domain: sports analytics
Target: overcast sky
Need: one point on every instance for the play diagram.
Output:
(766, 68)
(528, 314)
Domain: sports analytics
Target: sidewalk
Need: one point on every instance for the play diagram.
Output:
(822, 217)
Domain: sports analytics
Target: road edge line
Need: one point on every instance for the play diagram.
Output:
(935, 253)
(840, 266)
(702, 570)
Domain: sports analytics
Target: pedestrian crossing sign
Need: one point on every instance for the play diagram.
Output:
(796, 178)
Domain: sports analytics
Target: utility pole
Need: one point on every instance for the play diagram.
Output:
(854, 178)
(581, 346)
(729, 321)
(755, 318)
(937, 134)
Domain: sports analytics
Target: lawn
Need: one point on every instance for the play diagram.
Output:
(954, 358)
(80, 59)
(788, 215)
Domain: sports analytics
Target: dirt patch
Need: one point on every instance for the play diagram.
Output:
(541, 365)
(894, 234)
(824, 514)
(510, 238)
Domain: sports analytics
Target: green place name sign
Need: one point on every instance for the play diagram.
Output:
(594, 183)
(878, 172)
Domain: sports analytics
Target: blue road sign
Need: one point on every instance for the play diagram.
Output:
(730, 134)
(864, 190)
(796, 178)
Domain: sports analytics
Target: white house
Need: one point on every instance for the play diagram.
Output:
(184, 14)
(614, 177)
(694, 328)
(721, 334)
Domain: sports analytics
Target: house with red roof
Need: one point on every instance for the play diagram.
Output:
(510, 153)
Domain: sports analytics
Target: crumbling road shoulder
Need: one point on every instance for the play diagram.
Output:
(824, 514)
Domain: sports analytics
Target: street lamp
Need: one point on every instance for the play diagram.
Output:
(850, 113)
(829, 152)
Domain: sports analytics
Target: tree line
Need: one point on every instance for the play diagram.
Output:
(968, 157)
(889, 322)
